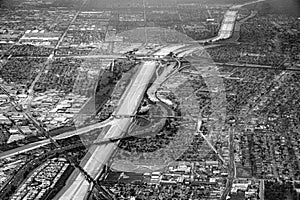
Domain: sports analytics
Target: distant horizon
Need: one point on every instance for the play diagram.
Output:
(289, 7)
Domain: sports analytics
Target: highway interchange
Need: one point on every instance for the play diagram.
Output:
(101, 154)
(98, 156)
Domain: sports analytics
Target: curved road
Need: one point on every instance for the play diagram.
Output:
(99, 155)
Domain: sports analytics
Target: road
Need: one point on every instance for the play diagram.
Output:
(162, 52)
(129, 104)
(246, 4)
(245, 65)
(100, 155)
(38, 144)
(166, 50)
(262, 189)
(208, 142)
(28, 100)
(228, 23)
(226, 28)
(231, 167)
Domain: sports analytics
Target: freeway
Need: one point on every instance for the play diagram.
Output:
(41, 143)
(99, 155)
(226, 29)
(246, 4)
(228, 23)
(227, 26)
(166, 50)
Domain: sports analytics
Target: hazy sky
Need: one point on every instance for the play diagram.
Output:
(283, 6)
(286, 6)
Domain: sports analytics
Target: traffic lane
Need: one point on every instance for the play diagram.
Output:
(101, 154)
(96, 162)
(99, 157)
(45, 142)
(165, 51)
(139, 86)
(76, 180)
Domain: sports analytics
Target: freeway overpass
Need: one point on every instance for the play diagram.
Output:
(99, 155)
(161, 52)
(39, 144)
